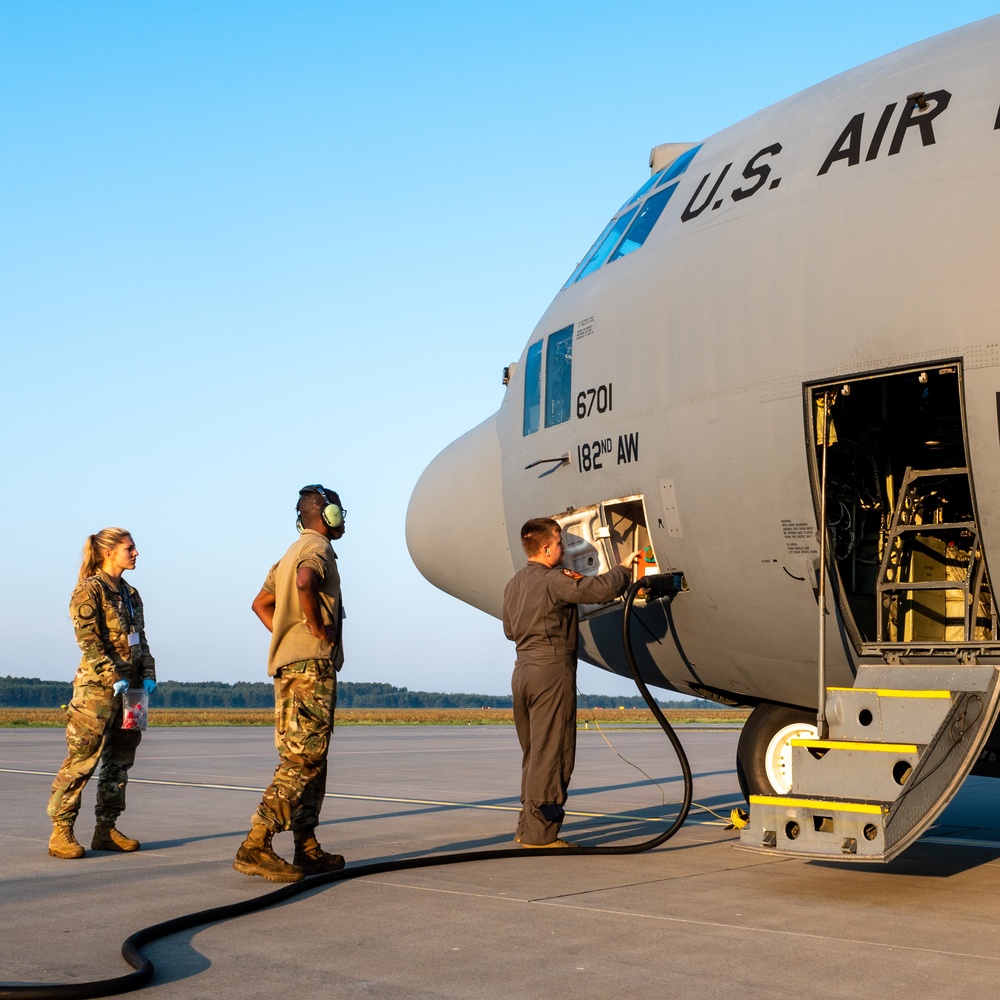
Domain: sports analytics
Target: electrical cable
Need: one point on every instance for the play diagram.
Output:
(631, 763)
(622, 757)
(132, 947)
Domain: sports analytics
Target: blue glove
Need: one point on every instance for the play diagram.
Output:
(149, 684)
(119, 687)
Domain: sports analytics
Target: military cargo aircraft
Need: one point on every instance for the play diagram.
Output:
(782, 353)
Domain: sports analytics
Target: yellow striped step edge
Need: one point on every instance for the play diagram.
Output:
(802, 741)
(777, 800)
(892, 693)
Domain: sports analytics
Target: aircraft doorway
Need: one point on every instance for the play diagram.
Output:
(900, 509)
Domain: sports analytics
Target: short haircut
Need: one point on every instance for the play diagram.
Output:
(316, 498)
(311, 501)
(537, 533)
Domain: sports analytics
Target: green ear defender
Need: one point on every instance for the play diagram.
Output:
(333, 514)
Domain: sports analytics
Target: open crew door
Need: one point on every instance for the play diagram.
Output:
(906, 564)
(901, 513)
(600, 536)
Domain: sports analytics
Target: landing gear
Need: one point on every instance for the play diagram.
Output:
(764, 753)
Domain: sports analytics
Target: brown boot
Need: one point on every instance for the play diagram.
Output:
(62, 843)
(311, 858)
(255, 857)
(107, 838)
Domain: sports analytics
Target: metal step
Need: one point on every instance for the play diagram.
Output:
(864, 771)
(886, 714)
(814, 828)
(895, 758)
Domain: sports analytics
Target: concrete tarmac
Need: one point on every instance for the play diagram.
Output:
(694, 918)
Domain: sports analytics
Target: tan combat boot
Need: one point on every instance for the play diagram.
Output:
(62, 843)
(107, 838)
(311, 858)
(255, 857)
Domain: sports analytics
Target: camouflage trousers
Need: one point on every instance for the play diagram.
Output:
(305, 696)
(94, 736)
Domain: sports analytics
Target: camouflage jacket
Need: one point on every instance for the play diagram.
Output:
(103, 615)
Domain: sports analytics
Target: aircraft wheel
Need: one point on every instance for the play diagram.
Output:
(764, 753)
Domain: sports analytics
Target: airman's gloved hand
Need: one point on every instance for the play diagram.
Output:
(119, 687)
(149, 684)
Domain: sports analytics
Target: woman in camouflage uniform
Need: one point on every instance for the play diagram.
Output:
(107, 616)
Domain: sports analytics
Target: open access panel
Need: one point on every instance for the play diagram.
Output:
(598, 537)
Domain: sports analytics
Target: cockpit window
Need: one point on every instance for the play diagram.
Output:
(655, 179)
(644, 222)
(532, 388)
(590, 253)
(558, 376)
(558, 381)
(603, 247)
(634, 221)
(678, 166)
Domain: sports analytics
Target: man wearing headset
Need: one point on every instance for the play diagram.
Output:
(300, 605)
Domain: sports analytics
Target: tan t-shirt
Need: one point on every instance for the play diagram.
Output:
(291, 639)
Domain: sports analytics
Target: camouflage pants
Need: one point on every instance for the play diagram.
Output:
(94, 736)
(305, 696)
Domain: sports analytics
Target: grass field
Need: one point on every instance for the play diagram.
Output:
(54, 717)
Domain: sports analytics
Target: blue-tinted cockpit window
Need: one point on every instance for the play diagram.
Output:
(644, 222)
(532, 388)
(558, 376)
(655, 179)
(590, 254)
(649, 206)
(679, 165)
(604, 248)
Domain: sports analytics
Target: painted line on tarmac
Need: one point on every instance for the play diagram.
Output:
(951, 841)
(359, 798)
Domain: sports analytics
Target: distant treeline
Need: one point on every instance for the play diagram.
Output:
(29, 692)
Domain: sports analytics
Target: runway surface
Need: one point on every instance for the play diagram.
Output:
(694, 918)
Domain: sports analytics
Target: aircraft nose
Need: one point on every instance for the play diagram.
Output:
(455, 526)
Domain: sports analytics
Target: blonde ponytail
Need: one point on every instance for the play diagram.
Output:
(97, 546)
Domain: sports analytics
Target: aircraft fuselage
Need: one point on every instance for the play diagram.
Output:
(833, 254)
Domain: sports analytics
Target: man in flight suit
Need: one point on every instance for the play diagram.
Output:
(540, 615)
(300, 605)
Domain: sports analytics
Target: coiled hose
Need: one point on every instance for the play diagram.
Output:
(133, 945)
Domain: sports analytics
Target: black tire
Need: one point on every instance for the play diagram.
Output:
(765, 722)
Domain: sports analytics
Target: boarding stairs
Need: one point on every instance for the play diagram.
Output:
(901, 741)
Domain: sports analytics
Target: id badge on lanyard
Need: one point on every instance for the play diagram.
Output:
(133, 632)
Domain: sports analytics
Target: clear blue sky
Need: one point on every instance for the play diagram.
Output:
(248, 246)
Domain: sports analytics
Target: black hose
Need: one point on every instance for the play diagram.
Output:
(132, 947)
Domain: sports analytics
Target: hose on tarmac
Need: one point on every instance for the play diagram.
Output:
(133, 945)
